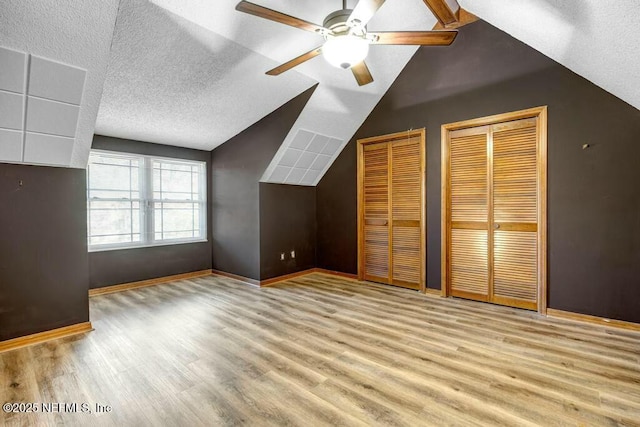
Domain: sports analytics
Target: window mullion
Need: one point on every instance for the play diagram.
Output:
(203, 201)
(131, 199)
(148, 200)
(89, 204)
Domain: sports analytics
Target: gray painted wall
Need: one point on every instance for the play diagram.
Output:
(44, 272)
(237, 167)
(594, 195)
(287, 222)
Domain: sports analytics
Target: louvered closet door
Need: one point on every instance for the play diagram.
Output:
(376, 212)
(492, 213)
(406, 207)
(469, 214)
(515, 210)
(391, 244)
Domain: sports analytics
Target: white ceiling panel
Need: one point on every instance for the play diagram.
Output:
(311, 177)
(47, 149)
(10, 145)
(52, 117)
(320, 162)
(280, 174)
(302, 139)
(318, 143)
(53, 80)
(11, 110)
(332, 147)
(295, 175)
(13, 70)
(290, 157)
(306, 159)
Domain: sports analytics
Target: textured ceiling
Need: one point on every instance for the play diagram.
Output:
(599, 40)
(191, 72)
(73, 32)
(186, 72)
(171, 81)
(338, 106)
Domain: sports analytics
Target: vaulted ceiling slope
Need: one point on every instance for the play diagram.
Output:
(73, 32)
(172, 81)
(191, 73)
(599, 40)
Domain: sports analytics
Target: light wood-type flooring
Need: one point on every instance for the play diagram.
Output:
(323, 350)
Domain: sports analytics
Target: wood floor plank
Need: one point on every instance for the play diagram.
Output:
(324, 350)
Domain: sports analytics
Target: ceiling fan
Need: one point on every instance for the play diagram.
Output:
(346, 37)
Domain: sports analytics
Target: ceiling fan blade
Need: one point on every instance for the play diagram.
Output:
(272, 15)
(364, 10)
(423, 38)
(362, 74)
(295, 61)
(442, 11)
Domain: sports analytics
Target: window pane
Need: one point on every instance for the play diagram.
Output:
(113, 177)
(114, 214)
(114, 222)
(176, 220)
(175, 181)
(195, 183)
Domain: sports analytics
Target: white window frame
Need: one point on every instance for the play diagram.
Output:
(147, 203)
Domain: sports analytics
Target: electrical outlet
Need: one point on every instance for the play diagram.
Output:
(282, 256)
(293, 254)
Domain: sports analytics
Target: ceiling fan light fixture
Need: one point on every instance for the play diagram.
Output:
(345, 51)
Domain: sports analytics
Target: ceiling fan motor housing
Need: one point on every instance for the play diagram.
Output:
(337, 21)
(348, 32)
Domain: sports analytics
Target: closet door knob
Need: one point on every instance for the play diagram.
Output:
(496, 226)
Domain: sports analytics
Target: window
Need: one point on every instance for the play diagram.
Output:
(136, 200)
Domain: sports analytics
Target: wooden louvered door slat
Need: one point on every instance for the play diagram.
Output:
(391, 244)
(376, 212)
(515, 213)
(468, 258)
(494, 187)
(406, 208)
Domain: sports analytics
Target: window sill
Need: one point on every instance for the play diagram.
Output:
(167, 243)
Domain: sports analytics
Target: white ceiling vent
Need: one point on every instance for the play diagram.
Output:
(305, 159)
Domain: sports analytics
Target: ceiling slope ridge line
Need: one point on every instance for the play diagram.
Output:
(104, 80)
(246, 129)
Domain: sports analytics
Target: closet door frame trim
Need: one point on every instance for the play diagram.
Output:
(398, 136)
(541, 114)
